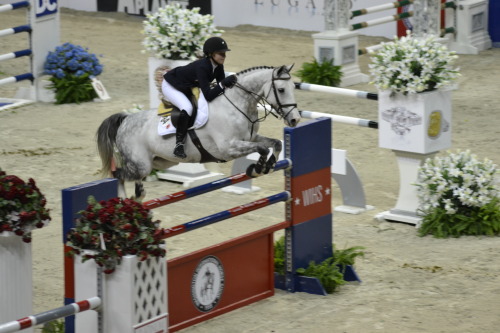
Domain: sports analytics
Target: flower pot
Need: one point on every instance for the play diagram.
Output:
(134, 295)
(417, 123)
(16, 282)
(155, 82)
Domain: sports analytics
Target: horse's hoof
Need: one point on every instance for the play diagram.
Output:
(139, 192)
(254, 170)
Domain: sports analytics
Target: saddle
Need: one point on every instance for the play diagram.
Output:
(167, 109)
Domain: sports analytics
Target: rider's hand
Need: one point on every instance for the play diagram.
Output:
(229, 81)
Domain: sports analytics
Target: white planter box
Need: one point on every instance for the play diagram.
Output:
(16, 281)
(418, 123)
(134, 296)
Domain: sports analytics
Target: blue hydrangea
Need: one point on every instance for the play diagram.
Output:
(69, 59)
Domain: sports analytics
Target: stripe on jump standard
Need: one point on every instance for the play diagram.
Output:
(15, 5)
(336, 90)
(16, 54)
(17, 78)
(381, 20)
(379, 8)
(15, 30)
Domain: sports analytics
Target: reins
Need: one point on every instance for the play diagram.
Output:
(262, 101)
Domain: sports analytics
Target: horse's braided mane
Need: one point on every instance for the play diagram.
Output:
(253, 69)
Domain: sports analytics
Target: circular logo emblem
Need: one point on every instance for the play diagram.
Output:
(207, 284)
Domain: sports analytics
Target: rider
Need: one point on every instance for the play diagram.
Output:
(177, 84)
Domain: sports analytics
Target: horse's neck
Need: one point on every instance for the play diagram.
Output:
(253, 82)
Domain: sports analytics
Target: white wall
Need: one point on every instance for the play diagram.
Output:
(86, 5)
(294, 14)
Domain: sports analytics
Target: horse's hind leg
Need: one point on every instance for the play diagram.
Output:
(140, 193)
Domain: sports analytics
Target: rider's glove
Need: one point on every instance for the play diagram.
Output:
(229, 81)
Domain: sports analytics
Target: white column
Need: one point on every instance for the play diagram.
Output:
(16, 282)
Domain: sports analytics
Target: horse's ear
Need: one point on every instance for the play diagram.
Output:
(284, 69)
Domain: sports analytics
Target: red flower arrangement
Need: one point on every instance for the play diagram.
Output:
(22, 206)
(112, 229)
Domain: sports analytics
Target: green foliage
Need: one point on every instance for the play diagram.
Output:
(330, 272)
(324, 73)
(484, 220)
(279, 256)
(73, 89)
(55, 326)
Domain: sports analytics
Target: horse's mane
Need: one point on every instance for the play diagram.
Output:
(251, 69)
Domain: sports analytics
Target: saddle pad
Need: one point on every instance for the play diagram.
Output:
(166, 127)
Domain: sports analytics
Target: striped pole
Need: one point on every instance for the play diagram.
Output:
(340, 119)
(16, 5)
(336, 90)
(15, 30)
(15, 54)
(64, 311)
(17, 78)
(215, 185)
(381, 20)
(380, 8)
(224, 215)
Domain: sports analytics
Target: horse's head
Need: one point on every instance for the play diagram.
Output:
(280, 95)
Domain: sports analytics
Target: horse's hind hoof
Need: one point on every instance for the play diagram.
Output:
(139, 192)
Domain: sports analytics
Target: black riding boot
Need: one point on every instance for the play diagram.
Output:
(181, 131)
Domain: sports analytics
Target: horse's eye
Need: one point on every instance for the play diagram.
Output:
(281, 90)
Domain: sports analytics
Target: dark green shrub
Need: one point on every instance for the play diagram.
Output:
(324, 73)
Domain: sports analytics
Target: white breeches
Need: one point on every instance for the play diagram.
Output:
(180, 100)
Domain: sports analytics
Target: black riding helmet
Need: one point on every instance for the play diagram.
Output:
(215, 44)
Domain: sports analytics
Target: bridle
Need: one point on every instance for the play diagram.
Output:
(280, 110)
(263, 101)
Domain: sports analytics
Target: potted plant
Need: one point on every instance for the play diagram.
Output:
(121, 237)
(22, 209)
(324, 73)
(414, 77)
(458, 196)
(176, 33)
(22, 206)
(109, 230)
(72, 68)
(174, 36)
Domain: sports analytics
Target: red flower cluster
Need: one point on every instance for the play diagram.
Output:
(22, 206)
(114, 228)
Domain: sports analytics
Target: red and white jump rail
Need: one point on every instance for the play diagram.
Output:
(44, 317)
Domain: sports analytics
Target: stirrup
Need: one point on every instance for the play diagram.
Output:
(179, 150)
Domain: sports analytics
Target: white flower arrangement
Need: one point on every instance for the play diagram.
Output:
(176, 33)
(458, 195)
(412, 65)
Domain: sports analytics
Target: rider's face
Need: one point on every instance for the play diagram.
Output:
(219, 57)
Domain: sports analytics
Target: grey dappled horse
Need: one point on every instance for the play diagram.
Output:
(231, 130)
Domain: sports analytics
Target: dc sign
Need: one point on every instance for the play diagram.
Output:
(45, 7)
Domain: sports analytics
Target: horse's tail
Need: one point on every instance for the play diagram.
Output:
(106, 139)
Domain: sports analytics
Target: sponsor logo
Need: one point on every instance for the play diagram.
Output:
(45, 7)
(207, 284)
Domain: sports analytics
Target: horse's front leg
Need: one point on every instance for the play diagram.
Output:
(276, 145)
(261, 145)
